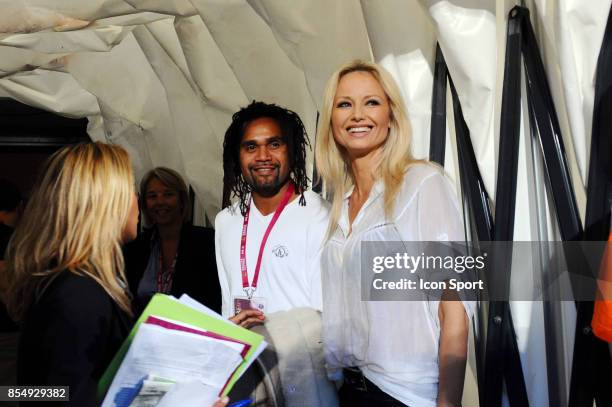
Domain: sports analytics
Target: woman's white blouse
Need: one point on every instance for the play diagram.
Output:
(394, 343)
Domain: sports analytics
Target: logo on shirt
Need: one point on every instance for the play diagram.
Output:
(280, 251)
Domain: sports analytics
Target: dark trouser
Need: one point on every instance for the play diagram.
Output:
(357, 391)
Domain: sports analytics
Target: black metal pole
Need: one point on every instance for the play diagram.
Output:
(502, 356)
(437, 137)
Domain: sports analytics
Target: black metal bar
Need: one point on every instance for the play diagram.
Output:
(545, 118)
(437, 137)
(555, 370)
(502, 357)
(479, 210)
(472, 185)
(478, 202)
(545, 128)
(592, 367)
(513, 368)
(471, 180)
(505, 196)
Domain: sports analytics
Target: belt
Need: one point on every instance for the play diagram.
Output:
(355, 378)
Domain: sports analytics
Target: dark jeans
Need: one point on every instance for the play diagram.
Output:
(357, 391)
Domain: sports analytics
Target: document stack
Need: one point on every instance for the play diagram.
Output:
(178, 353)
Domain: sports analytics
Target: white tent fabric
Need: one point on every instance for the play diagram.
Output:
(190, 64)
(163, 77)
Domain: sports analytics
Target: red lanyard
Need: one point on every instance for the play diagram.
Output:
(164, 277)
(243, 239)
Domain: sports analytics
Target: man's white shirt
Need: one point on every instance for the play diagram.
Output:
(290, 273)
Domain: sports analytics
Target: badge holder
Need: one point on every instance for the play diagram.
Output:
(247, 302)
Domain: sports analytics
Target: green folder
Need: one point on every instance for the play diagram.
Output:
(166, 307)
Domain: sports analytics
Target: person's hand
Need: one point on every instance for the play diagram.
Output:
(248, 318)
(221, 402)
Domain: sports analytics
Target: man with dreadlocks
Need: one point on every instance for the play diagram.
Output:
(268, 242)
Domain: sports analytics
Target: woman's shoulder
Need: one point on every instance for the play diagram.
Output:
(420, 171)
(71, 298)
(417, 175)
(69, 290)
(67, 280)
(420, 178)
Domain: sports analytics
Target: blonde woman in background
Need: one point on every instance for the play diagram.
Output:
(388, 353)
(171, 256)
(66, 272)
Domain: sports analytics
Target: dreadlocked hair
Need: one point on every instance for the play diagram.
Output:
(296, 138)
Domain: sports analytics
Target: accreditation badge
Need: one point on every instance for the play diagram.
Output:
(242, 303)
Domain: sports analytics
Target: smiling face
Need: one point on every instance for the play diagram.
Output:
(162, 203)
(361, 114)
(264, 158)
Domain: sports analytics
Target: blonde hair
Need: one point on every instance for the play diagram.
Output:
(73, 221)
(172, 180)
(332, 163)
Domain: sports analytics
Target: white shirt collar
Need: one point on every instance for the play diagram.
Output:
(375, 193)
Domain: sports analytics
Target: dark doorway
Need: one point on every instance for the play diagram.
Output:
(28, 135)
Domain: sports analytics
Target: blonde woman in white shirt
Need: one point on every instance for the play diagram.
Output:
(389, 353)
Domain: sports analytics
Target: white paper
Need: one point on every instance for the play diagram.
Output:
(176, 355)
(190, 302)
(237, 346)
(188, 394)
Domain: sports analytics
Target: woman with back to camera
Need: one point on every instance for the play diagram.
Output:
(389, 353)
(172, 256)
(65, 269)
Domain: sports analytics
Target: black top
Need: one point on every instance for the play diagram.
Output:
(6, 323)
(195, 272)
(70, 336)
